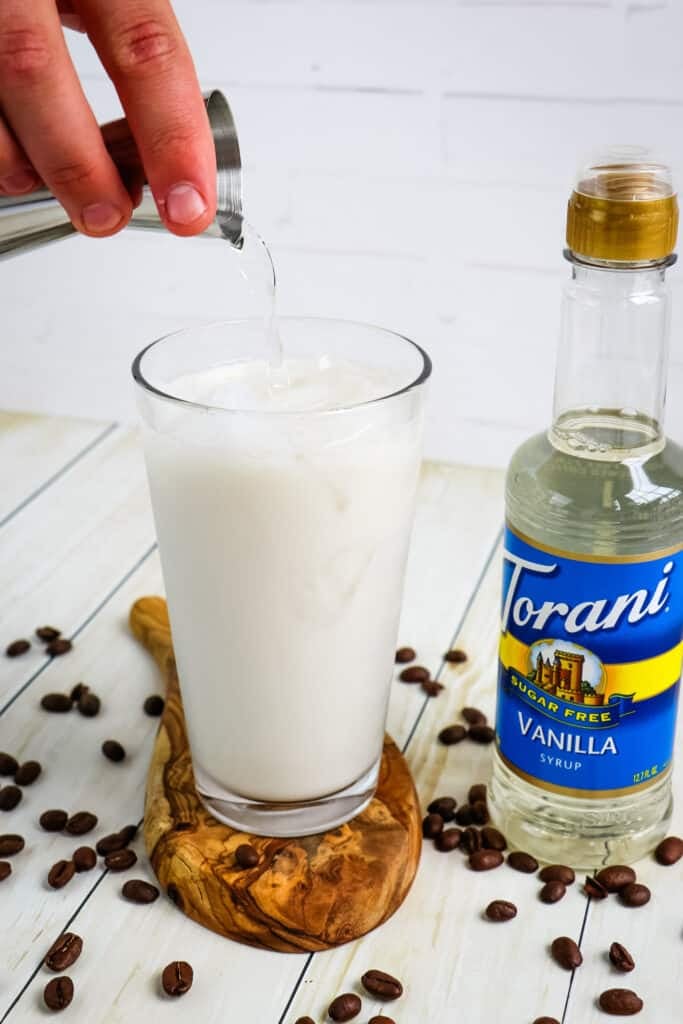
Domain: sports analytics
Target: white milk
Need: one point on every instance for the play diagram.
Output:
(283, 541)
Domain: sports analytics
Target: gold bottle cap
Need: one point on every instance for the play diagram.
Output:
(623, 209)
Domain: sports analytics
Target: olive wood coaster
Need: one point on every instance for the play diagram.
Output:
(304, 894)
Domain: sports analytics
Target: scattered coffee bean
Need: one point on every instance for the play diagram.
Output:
(552, 892)
(53, 821)
(64, 952)
(455, 657)
(621, 958)
(80, 823)
(8, 764)
(473, 716)
(382, 985)
(78, 691)
(480, 813)
(10, 796)
(471, 840)
(61, 873)
(404, 655)
(669, 851)
(58, 647)
(48, 633)
(616, 877)
(485, 860)
(304, 1020)
(11, 844)
(501, 910)
(414, 674)
(136, 890)
(493, 839)
(566, 953)
(523, 862)
(113, 750)
(594, 889)
(557, 873)
(5, 870)
(27, 773)
(110, 844)
(444, 806)
(154, 706)
(620, 1002)
(344, 1007)
(58, 993)
(84, 858)
(246, 856)
(476, 793)
(481, 733)
(380, 1019)
(128, 833)
(633, 895)
(463, 815)
(89, 704)
(58, 702)
(546, 1020)
(177, 978)
(431, 687)
(432, 824)
(16, 648)
(449, 839)
(121, 860)
(452, 734)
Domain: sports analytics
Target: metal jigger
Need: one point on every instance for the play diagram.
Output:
(31, 221)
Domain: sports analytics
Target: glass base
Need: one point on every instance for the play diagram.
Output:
(288, 820)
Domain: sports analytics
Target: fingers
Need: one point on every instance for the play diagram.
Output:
(16, 174)
(146, 56)
(44, 104)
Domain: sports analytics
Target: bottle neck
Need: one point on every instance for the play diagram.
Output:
(610, 384)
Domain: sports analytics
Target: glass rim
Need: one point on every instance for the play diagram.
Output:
(146, 385)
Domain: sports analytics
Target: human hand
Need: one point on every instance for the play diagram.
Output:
(48, 133)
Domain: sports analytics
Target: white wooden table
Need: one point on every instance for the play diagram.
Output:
(76, 548)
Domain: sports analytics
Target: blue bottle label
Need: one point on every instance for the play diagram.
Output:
(590, 662)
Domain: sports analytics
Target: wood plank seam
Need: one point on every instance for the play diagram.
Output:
(582, 932)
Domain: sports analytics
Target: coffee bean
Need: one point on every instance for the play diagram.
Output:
(60, 873)
(404, 655)
(594, 889)
(476, 793)
(110, 844)
(444, 806)
(481, 733)
(480, 814)
(27, 773)
(113, 750)
(414, 674)
(154, 706)
(58, 702)
(452, 734)
(381, 1019)
(382, 985)
(89, 704)
(471, 840)
(431, 687)
(485, 860)
(177, 978)
(8, 764)
(432, 824)
(58, 647)
(463, 815)
(5, 870)
(78, 691)
(566, 953)
(53, 821)
(128, 833)
(669, 851)
(455, 657)
(546, 1020)
(64, 952)
(11, 844)
(345, 1007)
(10, 796)
(493, 839)
(304, 1020)
(136, 890)
(246, 856)
(16, 648)
(621, 958)
(58, 993)
(557, 873)
(80, 823)
(120, 860)
(616, 877)
(620, 1002)
(552, 892)
(84, 858)
(634, 895)
(48, 633)
(473, 716)
(501, 910)
(523, 862)
(448, 840)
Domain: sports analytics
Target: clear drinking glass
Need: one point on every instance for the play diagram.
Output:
(283, 496)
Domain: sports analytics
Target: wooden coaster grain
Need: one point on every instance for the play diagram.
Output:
(304, 894)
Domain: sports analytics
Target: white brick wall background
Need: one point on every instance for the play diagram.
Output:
(409, 163)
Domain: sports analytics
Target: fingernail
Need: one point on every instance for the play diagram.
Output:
(101, 217)
(20, 181)
(184, 204)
